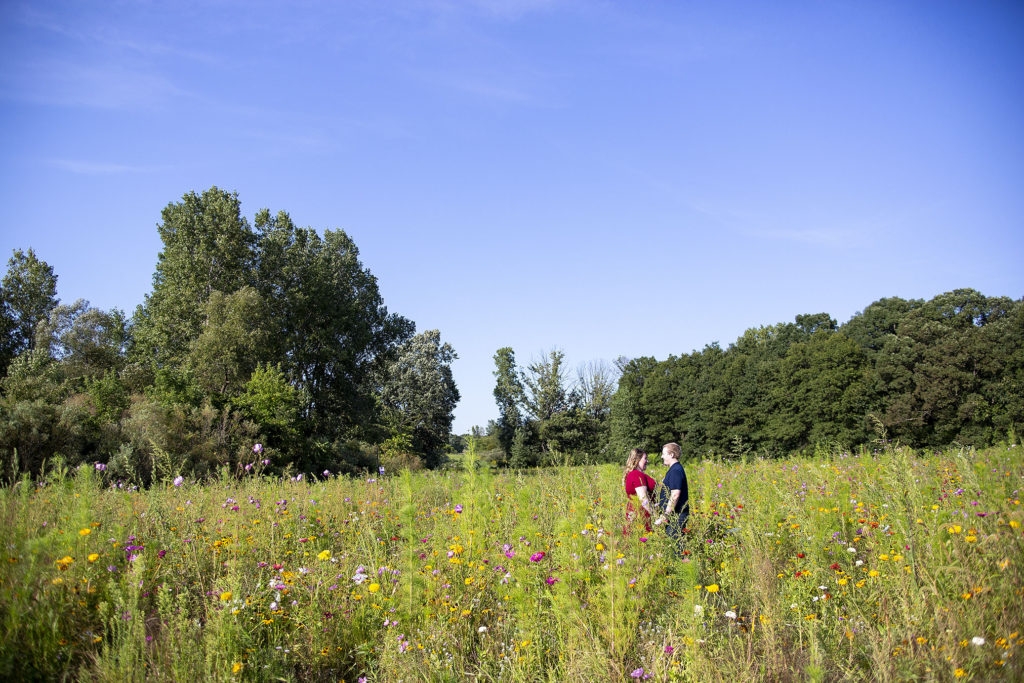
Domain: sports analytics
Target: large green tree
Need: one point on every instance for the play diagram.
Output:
(208, 246)
(327, 323)
(509, 395)
(28, 292)
(419, 394)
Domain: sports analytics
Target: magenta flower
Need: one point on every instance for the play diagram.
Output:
(550, 580)
(537, 557)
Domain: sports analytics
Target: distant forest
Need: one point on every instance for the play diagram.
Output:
(929, 374)
(268, 348)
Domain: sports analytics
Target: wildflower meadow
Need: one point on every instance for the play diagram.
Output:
(894, 565)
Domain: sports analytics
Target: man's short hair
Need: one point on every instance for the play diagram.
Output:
(673, 449)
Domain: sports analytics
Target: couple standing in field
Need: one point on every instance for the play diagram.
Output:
(673, 496)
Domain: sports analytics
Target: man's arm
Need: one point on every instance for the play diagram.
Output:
(671, 506)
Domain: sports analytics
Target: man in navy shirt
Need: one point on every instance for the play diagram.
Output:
(675, 496)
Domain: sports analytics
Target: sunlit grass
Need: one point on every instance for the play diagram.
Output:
(896, 565)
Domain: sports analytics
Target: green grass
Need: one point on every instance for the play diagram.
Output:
(849, 567)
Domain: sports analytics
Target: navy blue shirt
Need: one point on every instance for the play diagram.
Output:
(675, 478)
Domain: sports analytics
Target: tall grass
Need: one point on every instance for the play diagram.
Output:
(887, 566)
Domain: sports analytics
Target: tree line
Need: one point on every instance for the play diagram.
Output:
(263, 345)
(928, 373)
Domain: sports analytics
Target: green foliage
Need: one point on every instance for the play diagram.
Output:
(272, 403)
(419, 394)
(947, 370)
(224, 355)
(28, 292)
(509, 395)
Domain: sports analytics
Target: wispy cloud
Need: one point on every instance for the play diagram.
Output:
(108, 37)
(820, 237)
(84, 167)
(102, 86)
(488, 90)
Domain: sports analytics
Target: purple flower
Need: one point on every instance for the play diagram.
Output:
(101, 467)
(327, 473)
(257, 449)
(458, 508)
(179, 480)
(639, 673)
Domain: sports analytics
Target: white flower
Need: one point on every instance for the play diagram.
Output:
(482, 629)
(977, 640)
(822, 588)
(859, 562)
(793, 606)
(851, 550)
(730, 614)
(698, 610)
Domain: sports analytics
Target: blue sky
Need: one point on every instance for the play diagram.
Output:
(634, 178)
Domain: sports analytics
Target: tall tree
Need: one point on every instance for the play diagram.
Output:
(419, 393)
(509, 395)
(327, 322)
(28, 292)
(545, 383)
(207, 246)
(87, 341)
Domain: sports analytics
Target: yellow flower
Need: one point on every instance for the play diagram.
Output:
(883, 558)
(373, 587)
(600, 546)
(959, 673)
(873, 573)
(1014, 523)
(94, 556)
(841, 582)
(469, 581)
(225, 596)
(84, 532)
(713, 588)
(466, 612)
(236, 667)
(970, 539)
(955, 529)
(324, 555)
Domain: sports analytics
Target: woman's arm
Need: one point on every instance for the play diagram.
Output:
(645, 501)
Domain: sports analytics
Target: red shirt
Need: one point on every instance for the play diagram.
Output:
(633, 480)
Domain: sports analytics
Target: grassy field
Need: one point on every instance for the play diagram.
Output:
(886, 566)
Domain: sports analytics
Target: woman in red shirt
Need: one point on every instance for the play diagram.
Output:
(639, 485)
